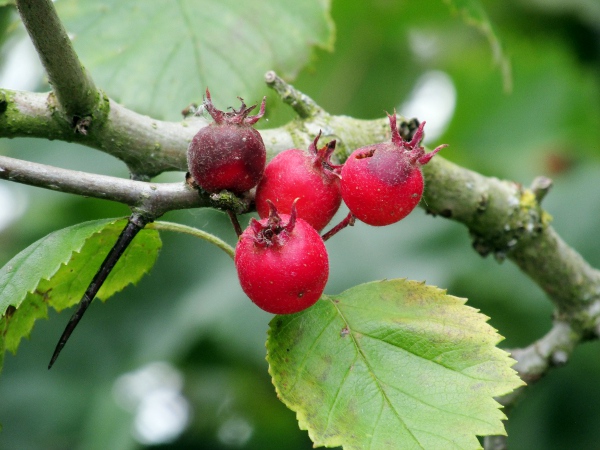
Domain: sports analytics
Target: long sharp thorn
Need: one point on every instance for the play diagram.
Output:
(135, 223)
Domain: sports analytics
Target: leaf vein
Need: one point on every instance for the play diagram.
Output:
(426, 359)
(337, 394)
(308, 353)
(375, 378)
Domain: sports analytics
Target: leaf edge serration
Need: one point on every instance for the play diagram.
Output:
(509, 378)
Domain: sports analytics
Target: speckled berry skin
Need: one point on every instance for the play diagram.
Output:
(282, 263)
(382, 183)
(306, 176)
(229, 154)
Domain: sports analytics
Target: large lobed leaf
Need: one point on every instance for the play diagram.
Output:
(56, 270)
(473, 13)
(158, 56)
(391, 364)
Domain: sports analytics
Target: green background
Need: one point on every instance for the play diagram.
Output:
(191, 312)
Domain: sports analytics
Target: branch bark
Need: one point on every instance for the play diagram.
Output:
(73, 87)
(150, 147)
(506, 220)
(155, 198)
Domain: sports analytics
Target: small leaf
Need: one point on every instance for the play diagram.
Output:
(473, 13)
(158, 56)
(391, 364)
(56, 270)
(20, 323)
(41, 260)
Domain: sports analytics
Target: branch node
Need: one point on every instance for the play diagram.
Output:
(540, 187)
(559, 358)
(228, 201)
(81, 125)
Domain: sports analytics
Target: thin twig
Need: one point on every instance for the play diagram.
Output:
(553, 350)
(157, 198)
(304, 106)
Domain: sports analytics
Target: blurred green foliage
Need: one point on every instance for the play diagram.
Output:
(190, 311)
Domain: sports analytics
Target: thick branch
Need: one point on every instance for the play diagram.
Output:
(506, 220)
(150, 147)
(73, 87)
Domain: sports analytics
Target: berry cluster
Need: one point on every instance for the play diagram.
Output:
(281, 259)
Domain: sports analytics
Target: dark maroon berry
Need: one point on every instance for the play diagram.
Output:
(310, 177)
(229, 153)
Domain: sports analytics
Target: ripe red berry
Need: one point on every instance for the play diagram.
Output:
(228, 154)
(382, 183)
(282, 263)
(310, 177)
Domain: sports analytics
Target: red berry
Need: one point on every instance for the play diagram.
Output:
(382, 183)
(228, 154)
(282, 263)
(309, 177)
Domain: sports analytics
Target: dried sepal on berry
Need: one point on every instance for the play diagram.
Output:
(382, 183)
(236, 116)
(309, 176)
(282, 263)
(229, 154)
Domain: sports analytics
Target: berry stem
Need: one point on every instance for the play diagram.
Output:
(179, 228)
(347, 221)
(235, 222)
(135, 223)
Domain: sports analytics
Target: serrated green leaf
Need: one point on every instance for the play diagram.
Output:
(56, 270)
(391, 364)
(20, 323)
(474, 14)
(157, 57)
(41, 260)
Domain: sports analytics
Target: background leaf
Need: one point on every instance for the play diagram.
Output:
(391, 364)
(56, 270)
(473, 13)
(157, 57)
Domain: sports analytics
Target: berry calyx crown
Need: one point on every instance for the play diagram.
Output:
(236, 116)
(416, 153)
(322, 156)
(274, 231)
